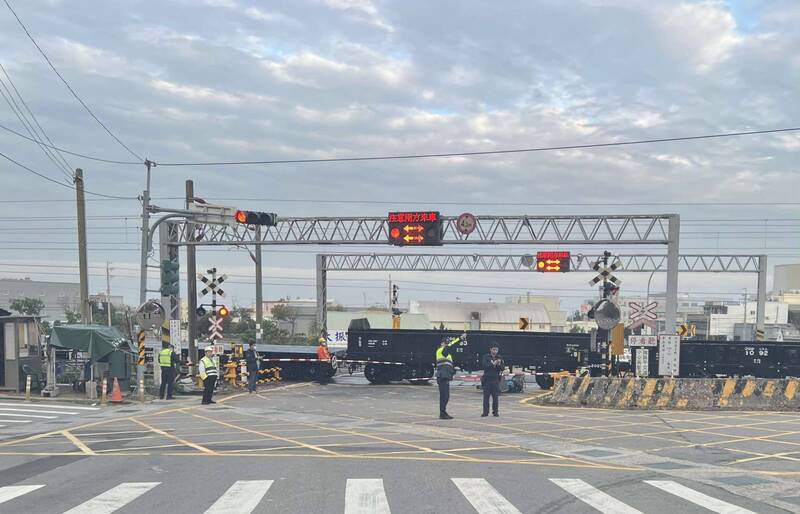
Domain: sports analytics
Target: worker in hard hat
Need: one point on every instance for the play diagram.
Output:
(168, 362)
(324, 358)
(209, 373)
(445, 370)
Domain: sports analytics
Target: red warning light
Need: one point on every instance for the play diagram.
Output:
(223, 312)
(394, 233)
(241, 216)
(415, 228)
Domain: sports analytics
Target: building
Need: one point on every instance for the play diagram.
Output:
(558, 317)
(787, 278)
(775, 313)
(57, 296)
(483, 316)
(297, 317)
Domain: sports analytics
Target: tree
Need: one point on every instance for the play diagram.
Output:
(575, 329)
(73, 317)
(282, 312)
(27, 306)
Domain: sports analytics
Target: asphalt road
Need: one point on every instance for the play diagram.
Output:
(356, 448)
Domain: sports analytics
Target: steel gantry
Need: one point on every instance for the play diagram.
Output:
(636, 263)
(194, 230)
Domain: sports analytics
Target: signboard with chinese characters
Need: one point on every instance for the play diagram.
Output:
(642, 362)
(415, 228)
(648, 341)
(669, 355)
(337, 337)
(552, 262)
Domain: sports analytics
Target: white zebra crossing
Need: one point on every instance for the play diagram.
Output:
(601, 501)
(242, 497)
(483, 497)
(698, 498)
(114, 498)
(14, 413)
(367, 496)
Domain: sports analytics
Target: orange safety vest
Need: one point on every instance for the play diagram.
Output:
(322, 353)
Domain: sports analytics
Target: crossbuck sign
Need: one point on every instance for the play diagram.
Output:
(211, 285)
(642, 314)
(605, 273)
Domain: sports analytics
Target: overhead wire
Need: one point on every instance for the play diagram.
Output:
(69, 87)
(59, 157)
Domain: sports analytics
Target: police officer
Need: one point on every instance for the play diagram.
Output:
(168, 362)
(252, 361)
(492, 370)
(209, 373)
(444, 373)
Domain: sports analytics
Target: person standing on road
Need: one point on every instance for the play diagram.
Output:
(251, 359)
(168, 362)
(208, 372)
(324, 357)
(445, 372)
(492, 370)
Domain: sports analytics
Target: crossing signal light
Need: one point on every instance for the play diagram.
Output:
(552, 262)
(170, 277)
(223, 312)
(415, 228)
(269, 219)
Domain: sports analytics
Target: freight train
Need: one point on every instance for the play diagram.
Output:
(394, 355)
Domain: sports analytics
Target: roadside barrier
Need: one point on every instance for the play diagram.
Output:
(677, 393)
(271, 375)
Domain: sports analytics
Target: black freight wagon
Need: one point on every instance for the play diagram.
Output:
(296, 362)
(763, 359)
(410, 354)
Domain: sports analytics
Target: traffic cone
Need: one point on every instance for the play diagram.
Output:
(116, 394)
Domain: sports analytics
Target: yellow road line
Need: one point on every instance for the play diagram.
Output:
(174, 437)
(77, 442)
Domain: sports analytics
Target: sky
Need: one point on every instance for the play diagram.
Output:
(230, 80)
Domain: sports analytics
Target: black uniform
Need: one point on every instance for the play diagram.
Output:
(491, 382)
(252, 360)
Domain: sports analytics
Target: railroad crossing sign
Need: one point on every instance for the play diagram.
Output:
(642, 314)
(215, 328)
(687, 330)
(605, 272)
(523, 323)
(212, 285)
(466, 223)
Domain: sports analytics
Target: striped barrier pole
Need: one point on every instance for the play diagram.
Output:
(28, 388)
(104, 392)
(141, 390)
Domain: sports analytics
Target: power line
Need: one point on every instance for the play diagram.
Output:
(41, 175)
(63, 150)
(487, 152)
(78, 98)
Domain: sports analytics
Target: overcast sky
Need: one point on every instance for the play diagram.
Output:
(192, 80)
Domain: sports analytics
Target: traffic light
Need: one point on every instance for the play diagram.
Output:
(269, 219)
(170, 277)
(222, 312)
(415, 228)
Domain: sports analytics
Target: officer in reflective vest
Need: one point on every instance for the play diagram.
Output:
(445, 372)
(168, 362)
(209, 373)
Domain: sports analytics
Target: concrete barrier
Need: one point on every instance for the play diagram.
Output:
(678, 393)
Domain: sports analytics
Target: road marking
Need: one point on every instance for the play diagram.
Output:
(70, 407)
(114, 498)
(242, 497)
(77, 442)
(27, 415)
(365, 496)
(174, 437)
(593, 497)
(37, 411)
(483, 497)
(697, 497)
(15, 421)
(12, 491)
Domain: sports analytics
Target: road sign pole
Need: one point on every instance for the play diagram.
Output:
(259, 288)
(191, 280)
(322, 293)
(673, 261)
(762, 295)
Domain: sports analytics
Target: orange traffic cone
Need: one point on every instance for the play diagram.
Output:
(116, 394)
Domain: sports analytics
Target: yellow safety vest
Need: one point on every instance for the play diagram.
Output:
(441, 357)
(165, 358)
(210, 368)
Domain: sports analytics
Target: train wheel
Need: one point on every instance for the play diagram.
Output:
(373, 373)
(545, 381)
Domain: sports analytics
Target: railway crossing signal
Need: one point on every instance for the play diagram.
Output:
(549, 262)
(170, 277)
(415, 228)
(212, 285)
(269, 219)
(605, 273)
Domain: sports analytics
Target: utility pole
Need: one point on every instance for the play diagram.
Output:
(145, 235)
(108, 292)
(86, 310)
(259, 288)
(191, 279)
